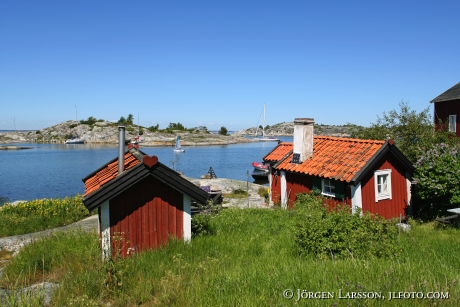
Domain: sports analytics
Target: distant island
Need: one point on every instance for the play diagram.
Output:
(105, 132)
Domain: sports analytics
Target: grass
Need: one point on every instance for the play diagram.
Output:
(250, 261)
(237, 193)
(40, 214)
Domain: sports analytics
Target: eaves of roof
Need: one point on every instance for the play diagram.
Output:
(451, 94)
(131, 177)
(105, 183)
(371, 165)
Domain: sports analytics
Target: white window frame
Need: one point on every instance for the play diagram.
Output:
(327, 187)
(452, 125)
(378, 177)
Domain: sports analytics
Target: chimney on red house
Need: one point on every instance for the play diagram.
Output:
(121, 149)
(303, 139)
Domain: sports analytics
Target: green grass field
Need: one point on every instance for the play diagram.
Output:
(251, 260)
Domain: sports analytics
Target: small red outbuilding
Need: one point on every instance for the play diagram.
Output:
(141, 207)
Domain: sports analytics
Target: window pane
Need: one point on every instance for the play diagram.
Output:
(452, 123)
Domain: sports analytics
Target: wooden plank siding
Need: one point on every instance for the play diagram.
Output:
(296, 184)
(143, 217)
(442, 110)
(276, 189)
(387, 208)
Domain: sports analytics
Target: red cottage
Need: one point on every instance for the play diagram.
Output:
(447, 110)
(141, 203)
(370, 175)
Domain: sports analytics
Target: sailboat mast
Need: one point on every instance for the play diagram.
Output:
(263, 123)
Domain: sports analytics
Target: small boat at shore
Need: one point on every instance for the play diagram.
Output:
(260, 172)
(75, 141)
(260, 166)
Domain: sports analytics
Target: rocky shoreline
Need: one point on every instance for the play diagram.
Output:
(104, 132)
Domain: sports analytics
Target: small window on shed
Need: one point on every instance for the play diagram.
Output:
(327, 187)
(382, 184)
(453, 123)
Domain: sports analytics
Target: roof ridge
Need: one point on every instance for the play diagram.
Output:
(345, 139)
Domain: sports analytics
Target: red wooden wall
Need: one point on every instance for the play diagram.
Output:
(388, 208)
(297, 184)
(276, 189)
(144, 217)
(442, 110)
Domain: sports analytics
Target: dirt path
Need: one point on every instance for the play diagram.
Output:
(15, 243)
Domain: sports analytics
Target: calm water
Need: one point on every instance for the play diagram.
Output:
(57, 170)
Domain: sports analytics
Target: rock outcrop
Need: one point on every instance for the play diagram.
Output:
(103, 132)
(287, 129)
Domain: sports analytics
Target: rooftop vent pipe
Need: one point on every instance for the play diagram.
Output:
(121, 149)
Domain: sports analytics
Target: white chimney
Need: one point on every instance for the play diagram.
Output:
(121, 149)
(303, 139)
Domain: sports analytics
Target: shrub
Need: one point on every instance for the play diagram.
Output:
(265, 193)
(202, 226)
(340, 234)
(438, 175)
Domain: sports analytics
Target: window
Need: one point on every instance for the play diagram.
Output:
(453, 123)
(327, 187)
(382, 184)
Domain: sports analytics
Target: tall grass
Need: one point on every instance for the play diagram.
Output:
(40, 214)
(251, 260)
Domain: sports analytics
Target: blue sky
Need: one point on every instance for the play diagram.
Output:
(216, 63)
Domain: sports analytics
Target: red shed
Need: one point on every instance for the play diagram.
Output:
(371, 175)
(141, 207)
(447, 110)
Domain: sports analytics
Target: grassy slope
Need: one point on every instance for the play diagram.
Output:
(249, 262)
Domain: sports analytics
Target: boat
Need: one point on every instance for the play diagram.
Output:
(178, 147)
(134, 143)
(264, 138)
(260, 175)
(75, 141)
(261, 171)
(260, 166)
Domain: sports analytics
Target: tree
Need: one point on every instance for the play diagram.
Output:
(122, 121)
(90, 121)
(130, 119)
(438, 178)
(413, 132)
(126, 121)
(153, 128)
(223, 131)
(175, 126)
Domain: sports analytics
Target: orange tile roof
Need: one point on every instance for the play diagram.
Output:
(279, 153)
(108, 172)
(334, 158)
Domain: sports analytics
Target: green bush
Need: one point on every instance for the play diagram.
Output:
(202, 226)
(340, 234)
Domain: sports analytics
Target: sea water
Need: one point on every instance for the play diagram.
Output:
(57, 170)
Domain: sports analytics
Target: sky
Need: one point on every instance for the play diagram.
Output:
(217, 63)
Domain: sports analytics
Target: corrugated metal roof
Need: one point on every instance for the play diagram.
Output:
(334, 158)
